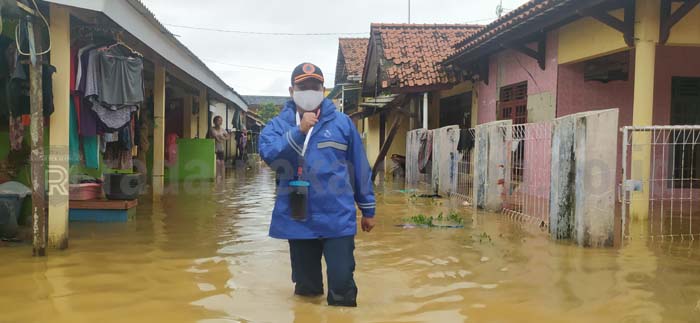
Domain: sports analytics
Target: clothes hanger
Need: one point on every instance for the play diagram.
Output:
(122, 44)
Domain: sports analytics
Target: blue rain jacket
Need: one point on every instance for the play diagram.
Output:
(336, 166)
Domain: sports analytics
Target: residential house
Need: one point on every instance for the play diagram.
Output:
(406, 86)
(552, 58)
(177, 86)
(348, 73)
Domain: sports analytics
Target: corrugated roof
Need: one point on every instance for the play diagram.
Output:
(121, 15)
(411, 55)
(262, 99)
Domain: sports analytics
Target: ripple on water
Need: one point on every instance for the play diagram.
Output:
(432, 290)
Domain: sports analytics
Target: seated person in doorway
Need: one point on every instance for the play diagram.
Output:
(323, 174)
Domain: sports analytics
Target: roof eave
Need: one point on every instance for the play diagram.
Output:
(137, 19)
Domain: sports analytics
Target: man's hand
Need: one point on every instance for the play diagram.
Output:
(308, 120)
(367, 224)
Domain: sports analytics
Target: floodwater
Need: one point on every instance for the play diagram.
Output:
(204, 256)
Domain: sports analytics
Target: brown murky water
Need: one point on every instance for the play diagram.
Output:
(205, 256)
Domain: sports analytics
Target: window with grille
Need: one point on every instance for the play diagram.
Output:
(685, 110)
(512, 103)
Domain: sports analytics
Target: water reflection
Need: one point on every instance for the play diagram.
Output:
(200, 253)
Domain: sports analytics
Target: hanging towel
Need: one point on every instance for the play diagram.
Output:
(92, 157)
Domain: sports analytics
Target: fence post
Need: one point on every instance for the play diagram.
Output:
(489, 164)
(445, 154)
(562, 179)
(584, 161)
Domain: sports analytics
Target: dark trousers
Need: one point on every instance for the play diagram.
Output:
(340, 265)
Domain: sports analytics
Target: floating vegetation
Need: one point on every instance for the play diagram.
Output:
(452, 220)
(484, 237)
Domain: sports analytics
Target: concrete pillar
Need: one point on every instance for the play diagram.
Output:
(158, 129)
(59, 128)
(489, 164)
(584, 162)
(187, 117)
(203, 116)
(646, 38)
(563, 177)
(425, 110)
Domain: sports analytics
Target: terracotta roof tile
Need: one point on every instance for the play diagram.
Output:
(527, 11)
(353, 51)
(413, 53)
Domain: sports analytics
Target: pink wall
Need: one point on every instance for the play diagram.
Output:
(670, 62)
(575, 95)
(510, 67)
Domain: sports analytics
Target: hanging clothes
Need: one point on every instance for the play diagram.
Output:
(88, 119)
(8, 51)
(81, 67)
(110, 137)
(75, 97)
(116, 157)
(16, 133)
(47, 89)
(466, 140)
(17, 90)
(125, 137)
(92, 155)
(93, 74)
(113, 117)
(73, 139)
(121, 78)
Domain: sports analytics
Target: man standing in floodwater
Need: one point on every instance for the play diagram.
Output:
(322, 172)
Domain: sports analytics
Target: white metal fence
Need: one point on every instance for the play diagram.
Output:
(465, 169)
(660, 181)
(527, 171)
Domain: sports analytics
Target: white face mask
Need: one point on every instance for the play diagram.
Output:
(308, 100)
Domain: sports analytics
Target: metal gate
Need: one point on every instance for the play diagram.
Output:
(660, 190)
(528, 151)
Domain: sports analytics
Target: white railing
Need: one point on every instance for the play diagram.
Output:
(527, 171)
(465, 171)
(660, 181)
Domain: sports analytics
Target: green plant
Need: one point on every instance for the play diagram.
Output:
(431, 221)
(455, 217)
(421, 219)
(484, 237)
(267, 111)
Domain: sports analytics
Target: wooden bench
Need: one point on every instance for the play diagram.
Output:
(101, 210)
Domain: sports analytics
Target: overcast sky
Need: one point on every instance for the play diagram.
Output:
(262, 64)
